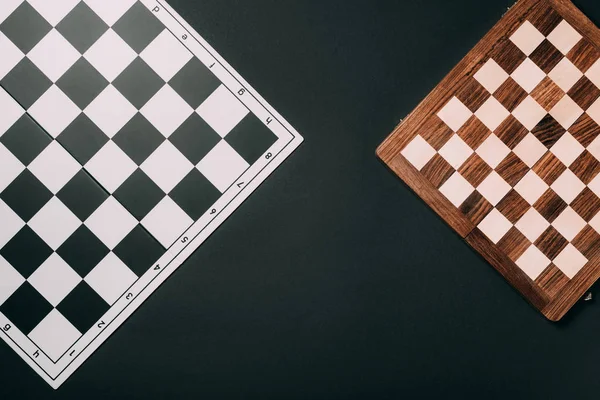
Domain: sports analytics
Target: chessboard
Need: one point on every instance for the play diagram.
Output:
(507, 151)
(125, 141)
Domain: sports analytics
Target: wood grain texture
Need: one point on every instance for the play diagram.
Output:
(539, 232)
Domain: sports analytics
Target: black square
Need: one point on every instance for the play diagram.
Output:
(83, 139)
(83, 251)
(138, 139)
(194, 83)
(138, 83)
(82, 195)
(25, 139)
(548, 131)
(83, 307)
(82, 27)
(139, 194)
(25, 27)
(26, 308)
(195, 138)
(26, 83)
(26, 251)
(82, 83)
(139, 251)
(195, 194)
(26, 195)
(251, 139)
(138, 27)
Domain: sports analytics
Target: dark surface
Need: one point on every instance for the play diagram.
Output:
(333, 281)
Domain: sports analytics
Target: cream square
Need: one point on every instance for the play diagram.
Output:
(533, 262)
(594, 111)
(527, 38)
(531, 187)
(493, 188)
(570, 261)
(593, 73)
(528, 75)
(529, 113)
(569, 224)
(456, 151)
(568, 186)
(565, 74)
(567, 149)
(532, 225)
(418, 152)
(594, 185)
(492, 113)
(595, 223)
(530, 150)
(495, 226)
(493, 151)
(491, 76)
(455, 114)
(566, 112)
(564, 37)
(457, 189)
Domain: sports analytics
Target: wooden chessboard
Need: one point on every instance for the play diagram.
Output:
(507, 151)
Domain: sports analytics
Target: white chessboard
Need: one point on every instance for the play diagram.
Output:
(125, 141)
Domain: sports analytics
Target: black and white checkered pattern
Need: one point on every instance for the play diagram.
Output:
(114, 139)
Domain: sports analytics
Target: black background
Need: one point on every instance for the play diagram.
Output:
(334, 281)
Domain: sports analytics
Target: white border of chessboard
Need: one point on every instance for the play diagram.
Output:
(288, 140)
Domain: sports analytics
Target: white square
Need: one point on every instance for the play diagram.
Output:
(10, 280)
(531, 187)
(455, 114)
(495, 226)
(530, 150)
(593, 73)
(533, 262)
(456, 151)
(54, 111)
(110, 111)
(528, 75)
(166, 222)
(55, 335)
(222, 111)
(54, 279)
(110, 11)
(527, 38)
(222, 166)
(493, 151)
(529, 113)
(494, 188)
(418, 152)
(11, 55)
(54, 167)
(167, 111)
(491, 76)
(532, 225)
(111, 167)
(10, 167)
(568, 186)
(594, 111)
(11, 224)
(566, 112)
(111, 223)
(457, 189)
(595, 223)
(53, 11)
(110, 55)
(594, 185)
(167, 166)
(166, 55)
(569, 224)
(54, 55)
(565, 74)
(564, 37)
(567, 149)
(54, 223)
(570, 261)
(111, 278)
(492, 113)
(11, 112)
(8, 7)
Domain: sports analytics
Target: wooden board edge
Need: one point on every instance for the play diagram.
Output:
(508, 269)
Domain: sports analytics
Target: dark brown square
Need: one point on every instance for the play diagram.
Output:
(473, 95)
(550, 205)
(514, 244)
(546, 56)
(475, 170)
(474, 132)
(584, 93)
(583, 55)
(544, 18)
(549, 168)
(476, 207)
(548, 131)
(552, 280)
(436, 132)
(587, 204)
(513, 206)
(547, 94)
(511, 132)
(512, 169)
(510, 94)
(585, 130)
(551, 243)
(588, 242)
(508, 56)
(586, 167)
(437, 170)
